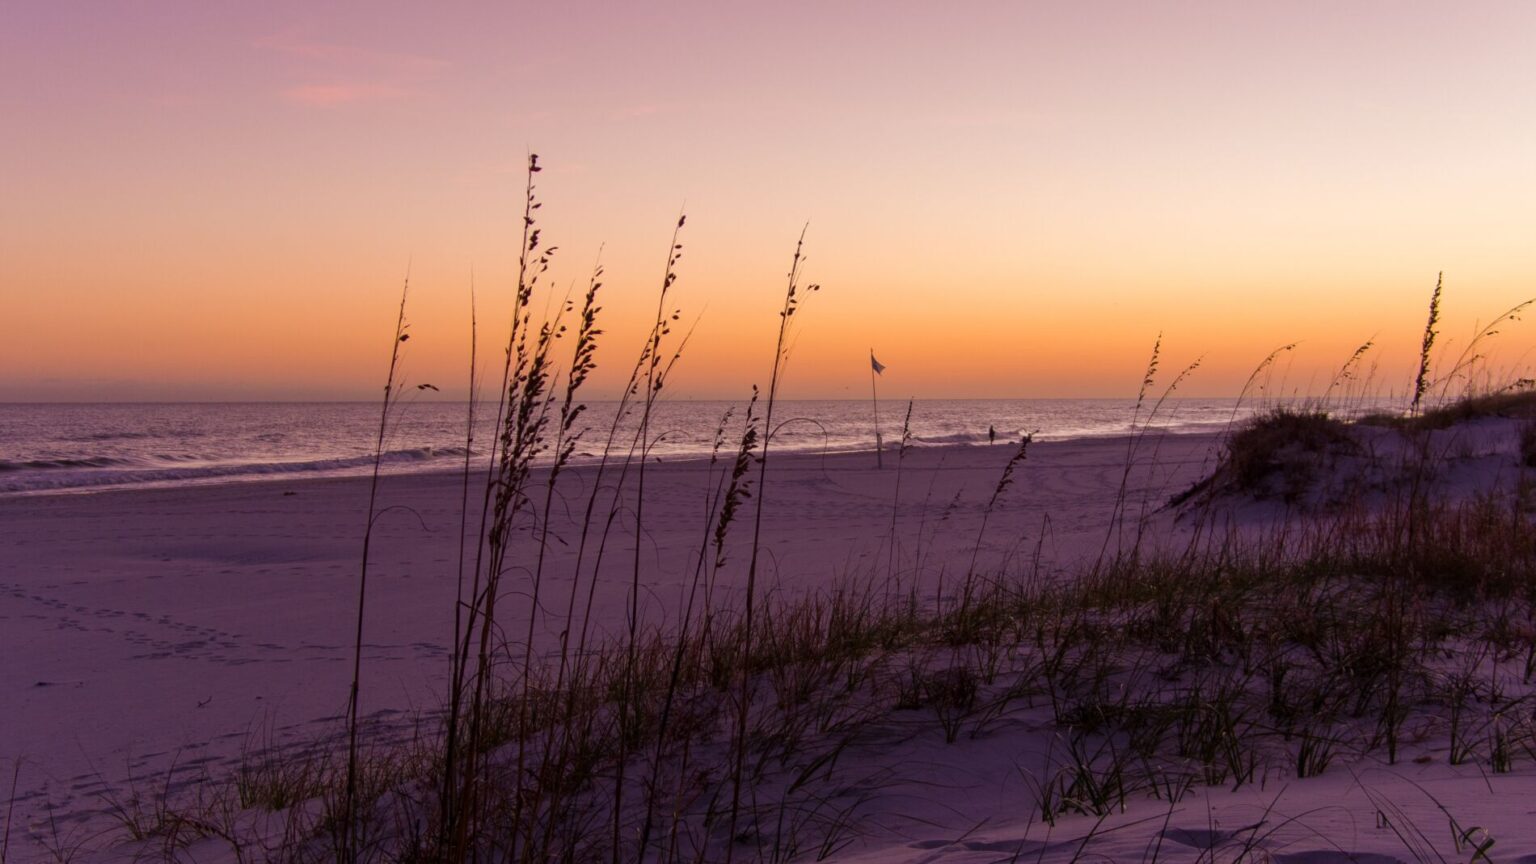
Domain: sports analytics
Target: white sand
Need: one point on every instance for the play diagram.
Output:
(146, 627)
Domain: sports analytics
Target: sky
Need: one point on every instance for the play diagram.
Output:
(209, 201)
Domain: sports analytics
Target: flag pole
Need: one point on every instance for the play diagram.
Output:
(874, 399)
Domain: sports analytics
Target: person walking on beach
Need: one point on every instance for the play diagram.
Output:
(991, 434)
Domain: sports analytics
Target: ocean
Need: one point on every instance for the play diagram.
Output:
(89, 447)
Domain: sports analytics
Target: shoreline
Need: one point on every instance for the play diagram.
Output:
(253, 475)
(169, 636)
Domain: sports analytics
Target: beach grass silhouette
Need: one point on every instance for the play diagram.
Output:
(1330, 595)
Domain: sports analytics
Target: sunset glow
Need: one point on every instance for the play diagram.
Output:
(221, 202)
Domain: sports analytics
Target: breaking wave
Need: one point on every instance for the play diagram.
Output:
(95, 471)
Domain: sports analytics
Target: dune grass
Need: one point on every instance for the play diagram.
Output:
(1281, 451)
(754, 730)
(1241, 663)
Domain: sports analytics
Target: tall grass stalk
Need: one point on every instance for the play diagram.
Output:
(455, 672)
(1148, 378)
(792, 298)
(720, 507)
(522, 416)
(348, 838)
(654, 381)
(1421, 381)
(1469, 356)
(1003, 482)
(1348, 371)
(893, 554)
(10, 812)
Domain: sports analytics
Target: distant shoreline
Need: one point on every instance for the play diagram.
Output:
(88, 447)
(437, 467)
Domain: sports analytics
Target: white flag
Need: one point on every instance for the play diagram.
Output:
(875, 364)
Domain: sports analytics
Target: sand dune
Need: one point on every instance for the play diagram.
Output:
(168, 630)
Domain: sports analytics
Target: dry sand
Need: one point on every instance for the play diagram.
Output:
(148, 627)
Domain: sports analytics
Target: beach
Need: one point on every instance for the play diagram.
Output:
(729, 433)
(158, 638)
(152, 627)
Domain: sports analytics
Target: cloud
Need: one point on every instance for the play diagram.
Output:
(329, 74)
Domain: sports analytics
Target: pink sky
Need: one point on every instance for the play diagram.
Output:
(220, 200)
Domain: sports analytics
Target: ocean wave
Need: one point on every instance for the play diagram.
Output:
(96, 471)
(121, 435)
(97, 447)
(953, 438)
(63, 462)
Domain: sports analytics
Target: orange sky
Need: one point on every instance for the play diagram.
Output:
(1004, 199)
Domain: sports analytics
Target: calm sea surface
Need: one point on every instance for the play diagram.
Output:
(53, 447)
